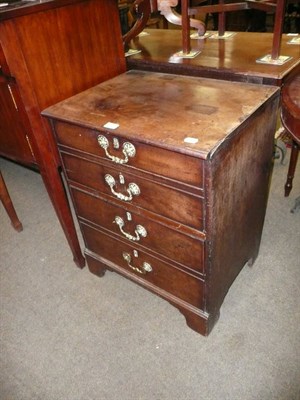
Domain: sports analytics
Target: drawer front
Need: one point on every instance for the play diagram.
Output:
(140, 230)
(160, 199)
(118, 150)
(144, 267)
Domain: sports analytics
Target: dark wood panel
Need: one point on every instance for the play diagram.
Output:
(241, 173)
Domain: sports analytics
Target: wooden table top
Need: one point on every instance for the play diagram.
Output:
(231, 59)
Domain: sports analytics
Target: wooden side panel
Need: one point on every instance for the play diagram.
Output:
(238, 182)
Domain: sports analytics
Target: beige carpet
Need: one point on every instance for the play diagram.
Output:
(68, 335)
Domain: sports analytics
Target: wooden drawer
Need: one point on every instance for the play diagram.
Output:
(177, 205)
(148, 158)
(184, 249)
(114, 253)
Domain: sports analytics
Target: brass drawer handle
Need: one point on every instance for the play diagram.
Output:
(128, 150)
(132, 190)
(146, 267)
(140, 231)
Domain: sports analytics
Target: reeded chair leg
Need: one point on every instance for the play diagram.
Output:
(8, 205)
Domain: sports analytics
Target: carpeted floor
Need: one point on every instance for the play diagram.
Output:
(68, 335)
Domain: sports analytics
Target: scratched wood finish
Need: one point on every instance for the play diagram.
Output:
(232, 59)
(51, 50)
(225, 130)
(141, 103)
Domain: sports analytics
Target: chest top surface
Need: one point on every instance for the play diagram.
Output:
(185, 114)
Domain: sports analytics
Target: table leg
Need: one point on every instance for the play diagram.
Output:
(8, 205)
(292, 166)
(57, 193)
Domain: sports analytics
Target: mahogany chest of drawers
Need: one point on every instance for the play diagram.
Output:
(169, 178)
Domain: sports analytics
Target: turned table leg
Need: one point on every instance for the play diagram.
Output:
(292, 167)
